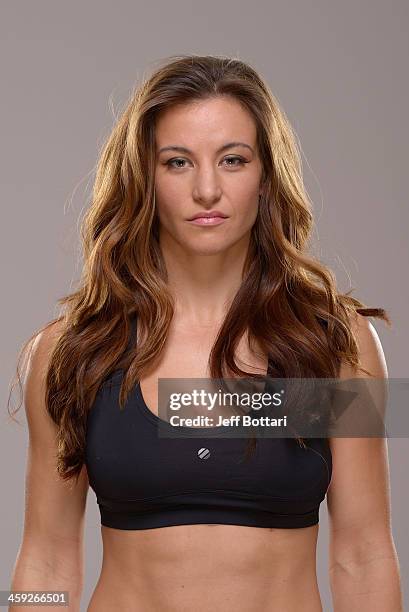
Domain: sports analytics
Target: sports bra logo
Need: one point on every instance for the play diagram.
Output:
(203, 453)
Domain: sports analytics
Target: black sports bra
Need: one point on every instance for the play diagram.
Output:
(144, 481)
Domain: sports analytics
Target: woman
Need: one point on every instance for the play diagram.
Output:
(166, 296)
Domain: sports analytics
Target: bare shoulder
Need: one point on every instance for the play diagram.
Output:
(39, 359)
(370, 349)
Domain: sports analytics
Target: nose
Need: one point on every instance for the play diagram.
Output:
(207, 189)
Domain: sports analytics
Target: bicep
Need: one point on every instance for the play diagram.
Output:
(358, 498)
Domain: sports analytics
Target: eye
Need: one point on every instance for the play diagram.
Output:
(172, 161)
(235, 159)
(240, 160)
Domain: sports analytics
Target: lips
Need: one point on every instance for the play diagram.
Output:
(208, 221)
(208, 215)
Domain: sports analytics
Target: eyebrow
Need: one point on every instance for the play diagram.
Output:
(228, 145)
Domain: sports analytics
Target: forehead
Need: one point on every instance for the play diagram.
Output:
(211, 122)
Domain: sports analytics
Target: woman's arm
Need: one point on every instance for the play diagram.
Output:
(50, 557)
(364, 568)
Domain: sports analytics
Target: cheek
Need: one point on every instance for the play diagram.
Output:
(169, 200)
(167, 204)
(246, 209)
(166, 215)
(166, 189)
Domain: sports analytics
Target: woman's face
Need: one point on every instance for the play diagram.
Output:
(194, 175)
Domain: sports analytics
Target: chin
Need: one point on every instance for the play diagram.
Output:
(212, 245)
(206, 249)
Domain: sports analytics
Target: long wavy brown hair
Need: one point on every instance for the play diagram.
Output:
(285, 295)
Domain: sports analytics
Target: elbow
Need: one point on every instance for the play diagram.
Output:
(358, 561)
(373, 573)
(49, 568)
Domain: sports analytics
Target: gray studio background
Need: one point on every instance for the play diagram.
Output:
(339, 70)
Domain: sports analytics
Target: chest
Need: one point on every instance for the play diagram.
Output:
(186, 355)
